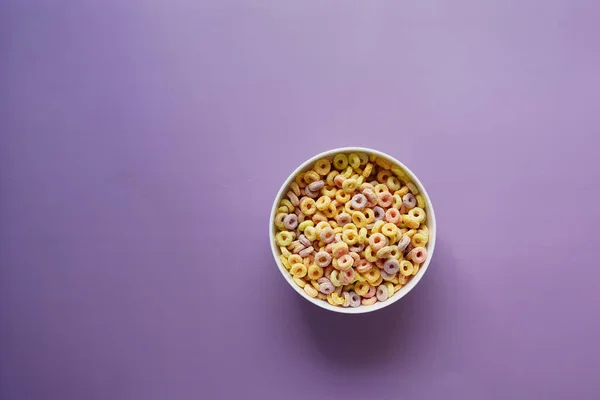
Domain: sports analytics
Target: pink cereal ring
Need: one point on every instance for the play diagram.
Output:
(338, 180)
(370, 293)
(418, 254)
(310, 193)
(304, 241)
(369, 302)
(345, 277)
(345, 262)
(382, 293)
(393, 216)
(409, 200)
(404, 241)
(364, 265)
(355, 257)
(306, 252)
(391, 266)
(327, 235)
(385, 199)
(329, 248)
(291, 221)
(343, 219)
(371, 197)
(377, 241)
(357, 248)
(293, 198)
(379, 213)
(359, 201)
(323, 259)
(354, 299)
(316, 186)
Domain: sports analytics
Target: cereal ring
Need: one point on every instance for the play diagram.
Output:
(288, 204)
(363, 266)
(315, 272)
(316, 186)
(391, 266)
(299, 270)
(354, 299)
(323, 259)
(349, 185)
(323, 202)
(371, 292)
(330, 211)
(310, 177)
(357, 247)
(377, 241)
(393, 183)
(411, 222)
(310, 193)
(409, 200)
(393, 216)
(345, 262)
(406, 268)
(350, 237)
(290, 221)
(367, 171)
(372, 275)
(310, 232)
(339, 249)
(308, 206)
(340, 161)
(346, 299)
(279, 220)
(311, 291)
(378, 213)
(387, 277)
(362, 235)
(299, 281)
(284, 238)
(354, 160)
(343, 219)
(322, 166)
(390, 230)
(418, 214)
(369, 254)
(345, 277)
(382, 293)
(359, 219)
(306, 252)
(361, 288)
(303, 225)
(295, 188)
(385, 252)
(413, 188)
(419, 240)
(385, 199)
(359, 201)
(420, 201)
(325, 286)
(302, 239)
(418, 255)
(329, 192)
(327, 235)
(371, 197)
(369, 302)
(384, 175)
(404, 241)
(293, 198)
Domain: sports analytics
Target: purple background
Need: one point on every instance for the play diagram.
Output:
(142, 143)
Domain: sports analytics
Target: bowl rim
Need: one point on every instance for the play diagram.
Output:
(406, 288)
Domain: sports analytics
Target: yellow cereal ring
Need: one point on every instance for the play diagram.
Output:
(419, 240)
(288, 204)
(377, 226)
(385, 252)
(299, 282)
(279, 220)
(418, 214)
(331, 211)
(308, 206)
(364, 158)
(415, 269)
(393, 183)
(294, 259)
(395, 252)
(322, 225)
(329, 192)
(359, 278)
(322, 166)
(350, 237)
(311, 291)
(410, 221)
(378, 281)
(322, 202)
(369, 254)
(284, 238)
(361, 288)
(383, 163)
(362, 235)
(340, 161)
(369, 215)
(348, 207)
(349, 185)
(354, 160)
(381, 188)
(383, 175)
(342, 197)
(338, 229)
(413, 188)
(410, 233)
(348, 172)
(299, 179)
(295, 188)
(299, 270)
(284, 251)
(372, 275)
(310, 232)
(349, 287)
(420, 201)
(424, 230)
(333, 223)
(399, 172)
(310, 177)
(397, 288)
(305, 224)
(402, 191)
(406, 268)
(330, 176)
(334, 278)
(321, 296)
(359, 219)
(337, 299)
(390, 230)
(390, 288)
(319, 217)
(284, 261)
(315, 272)
(367, 171)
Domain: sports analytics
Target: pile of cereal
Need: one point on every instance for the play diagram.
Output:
(352, 230)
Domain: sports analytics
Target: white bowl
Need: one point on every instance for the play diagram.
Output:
(308, 164)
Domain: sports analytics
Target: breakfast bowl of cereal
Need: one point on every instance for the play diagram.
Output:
(352, 230)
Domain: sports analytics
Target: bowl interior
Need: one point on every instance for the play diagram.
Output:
(430, 222)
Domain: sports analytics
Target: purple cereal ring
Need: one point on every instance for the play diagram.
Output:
(370, 293)
(418, 254)
(343, 219)
(382, 293)
(325, 286)
(379, 213)
(404, 241)
(385, 199)
(327, 235)
(323, 259)
(386, 276)
(364, 265)
(409, 200)
(354, 299)
(359, 201)
(306, 252)
(391, 266)
(291, 221)
(293, 198)
(316, 186)
(304, 241)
